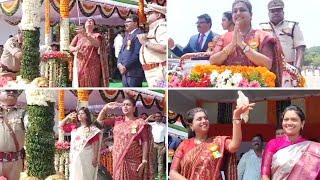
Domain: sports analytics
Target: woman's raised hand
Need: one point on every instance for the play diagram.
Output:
(112, 105)
(72, 116)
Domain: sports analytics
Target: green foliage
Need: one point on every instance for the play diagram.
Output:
(40, 146)
(255, 76)
(195, 77)
(312, 56)
(31, 55)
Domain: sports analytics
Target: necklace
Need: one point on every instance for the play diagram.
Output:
(244, 35)
(199, 141)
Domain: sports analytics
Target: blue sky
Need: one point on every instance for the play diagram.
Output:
(182, 15)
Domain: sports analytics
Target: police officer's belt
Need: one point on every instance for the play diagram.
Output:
(148, 67)
(11, 156)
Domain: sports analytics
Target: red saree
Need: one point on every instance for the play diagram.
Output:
(127, 149)
(92, 61)
(260, 41)
(198, 162)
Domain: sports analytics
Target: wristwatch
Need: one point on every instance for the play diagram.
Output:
(246, 49)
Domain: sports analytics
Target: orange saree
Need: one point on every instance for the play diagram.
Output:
(206, 160)
(127, 149)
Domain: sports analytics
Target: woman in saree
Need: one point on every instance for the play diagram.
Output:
(291, 156)
(245, 46)
(203, 157)
(132, 147)
(91, 57)
(84, 146)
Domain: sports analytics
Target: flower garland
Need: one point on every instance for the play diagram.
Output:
(64, 25)
(83, 95)
(47, 34)
(31, 15)
(40, 146)
(54, 66)
(61, 105)
(39, 97)
(142, 17)
(224, 77)
(30, 24)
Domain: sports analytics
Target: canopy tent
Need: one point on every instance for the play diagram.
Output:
(182, 101)
(147, 101)
(105, 12)
(109, 12)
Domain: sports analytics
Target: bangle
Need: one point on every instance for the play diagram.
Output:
(237, 120)
(144, 161)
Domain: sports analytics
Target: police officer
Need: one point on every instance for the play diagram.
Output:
(12, 55)
(154, 46)
(288, 33)
(12, 134)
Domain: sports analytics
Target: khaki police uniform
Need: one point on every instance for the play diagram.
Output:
(8, 62)
(154, 63)
(11, 163)
(289, 35)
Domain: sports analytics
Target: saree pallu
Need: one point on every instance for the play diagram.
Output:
(81, 154)
(199, 162)
(298, 161)
(127, 150)
(259, 41)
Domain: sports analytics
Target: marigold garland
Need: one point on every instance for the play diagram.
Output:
(64, 8)
(61, 105)
(83, 95)
(267, 76)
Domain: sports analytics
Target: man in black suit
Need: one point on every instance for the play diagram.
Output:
(128, 60)
(198, 42)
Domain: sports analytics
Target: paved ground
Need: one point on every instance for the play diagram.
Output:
(312, 79)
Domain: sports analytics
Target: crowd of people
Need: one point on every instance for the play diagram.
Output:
(277, 45)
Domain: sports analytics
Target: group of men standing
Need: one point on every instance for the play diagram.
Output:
(287, 32)
(144, 54)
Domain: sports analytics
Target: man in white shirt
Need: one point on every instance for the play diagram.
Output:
(250, 163)
(159, 130)
(118, 40)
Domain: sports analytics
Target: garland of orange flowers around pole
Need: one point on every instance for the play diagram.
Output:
(47, 36)
(142, 17)
(61, 105)
(83, 95)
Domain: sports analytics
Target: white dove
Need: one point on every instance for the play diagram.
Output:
(242, 101)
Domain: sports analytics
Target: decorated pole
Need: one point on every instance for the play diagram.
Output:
(64, 25)
(142, 17)
(47, 29)
(61, 114)
(40, 146)
(83, 98)
(30, 25)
